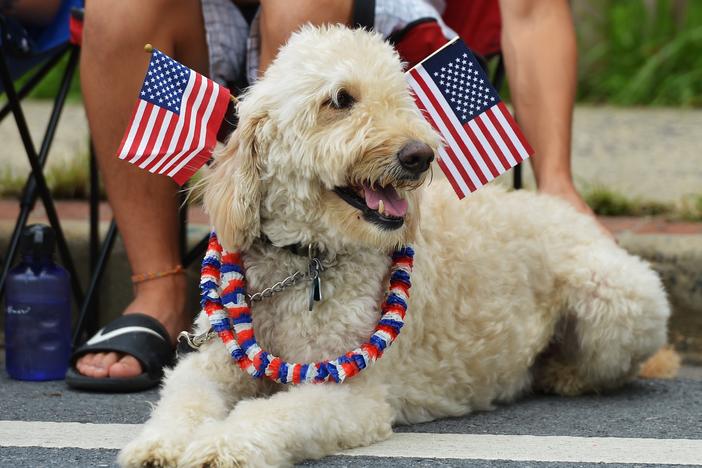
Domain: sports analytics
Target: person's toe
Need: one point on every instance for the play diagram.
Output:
(97, 365)
(127, 366)
(86, 365)
(84, 362)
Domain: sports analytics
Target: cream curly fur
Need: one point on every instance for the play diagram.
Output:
(511, 291)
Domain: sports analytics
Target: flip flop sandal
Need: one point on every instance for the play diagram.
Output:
(138, 335)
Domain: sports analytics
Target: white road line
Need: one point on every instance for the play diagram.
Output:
(401, 445)
(66, 434)
(537, 448)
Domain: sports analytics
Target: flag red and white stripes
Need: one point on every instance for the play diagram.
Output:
(174, 126)
(482, 139)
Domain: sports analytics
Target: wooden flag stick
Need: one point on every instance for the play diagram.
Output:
(234, 99)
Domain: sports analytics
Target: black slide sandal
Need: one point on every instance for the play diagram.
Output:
(138, 335)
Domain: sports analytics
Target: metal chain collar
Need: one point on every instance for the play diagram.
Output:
(288, 282)
(316, 267)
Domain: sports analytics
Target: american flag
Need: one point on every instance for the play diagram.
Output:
(174, 127)
(456, 97)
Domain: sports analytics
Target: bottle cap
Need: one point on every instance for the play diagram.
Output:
(38, 240)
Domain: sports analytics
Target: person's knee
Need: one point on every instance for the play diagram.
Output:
(106, 25)
(114, 24)
(281, 19)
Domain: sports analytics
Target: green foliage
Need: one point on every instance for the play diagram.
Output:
(48, 87)
(606, 202)
(632, 52)
(644, 53)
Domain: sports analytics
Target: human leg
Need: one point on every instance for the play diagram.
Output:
(145, 206)
(539, 44)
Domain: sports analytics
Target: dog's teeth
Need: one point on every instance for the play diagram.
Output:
(381, 207)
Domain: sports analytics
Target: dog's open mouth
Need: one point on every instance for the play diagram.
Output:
(382, 206)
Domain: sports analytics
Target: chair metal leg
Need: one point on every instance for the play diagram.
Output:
(93, 299)
(183, 223)
(517, 182)
(36, 180)
(100, 266)
(498, 80)
(197, 251)
(94, 202)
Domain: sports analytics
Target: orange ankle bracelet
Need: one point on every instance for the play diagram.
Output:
(140, 278)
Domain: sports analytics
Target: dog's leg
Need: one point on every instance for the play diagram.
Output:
(308, 421)
(615, 317)
(203, 386)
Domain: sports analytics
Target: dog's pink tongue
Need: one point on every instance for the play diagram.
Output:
(394, 204)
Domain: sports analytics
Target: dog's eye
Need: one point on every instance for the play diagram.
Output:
(342, 100)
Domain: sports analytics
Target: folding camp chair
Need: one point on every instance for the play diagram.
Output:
(40, 51)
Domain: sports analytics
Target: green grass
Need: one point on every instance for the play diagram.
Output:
(606, 202)
(69, 181)
(644, 53)
(691, 209)
(10, 184)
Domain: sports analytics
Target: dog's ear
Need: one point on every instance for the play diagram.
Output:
(232, 190)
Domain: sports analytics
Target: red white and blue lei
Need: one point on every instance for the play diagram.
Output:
(223, 298)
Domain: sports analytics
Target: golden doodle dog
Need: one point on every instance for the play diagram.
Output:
(510, 291)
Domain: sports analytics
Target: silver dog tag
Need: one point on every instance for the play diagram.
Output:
(315, 291)
(315, 268)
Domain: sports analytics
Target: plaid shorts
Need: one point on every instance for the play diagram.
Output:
(234, 46)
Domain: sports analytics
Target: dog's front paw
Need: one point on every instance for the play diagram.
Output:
(150, 452)
(220, 451)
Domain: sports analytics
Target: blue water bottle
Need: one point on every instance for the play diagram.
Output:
(37, 310)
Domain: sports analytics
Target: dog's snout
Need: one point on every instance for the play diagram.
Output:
(415, 157)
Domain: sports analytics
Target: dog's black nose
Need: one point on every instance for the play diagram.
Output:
(415, 157)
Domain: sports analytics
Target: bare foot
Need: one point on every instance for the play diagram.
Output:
(162, 299)
(568, 193)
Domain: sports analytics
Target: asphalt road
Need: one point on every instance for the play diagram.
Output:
(635, 418)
